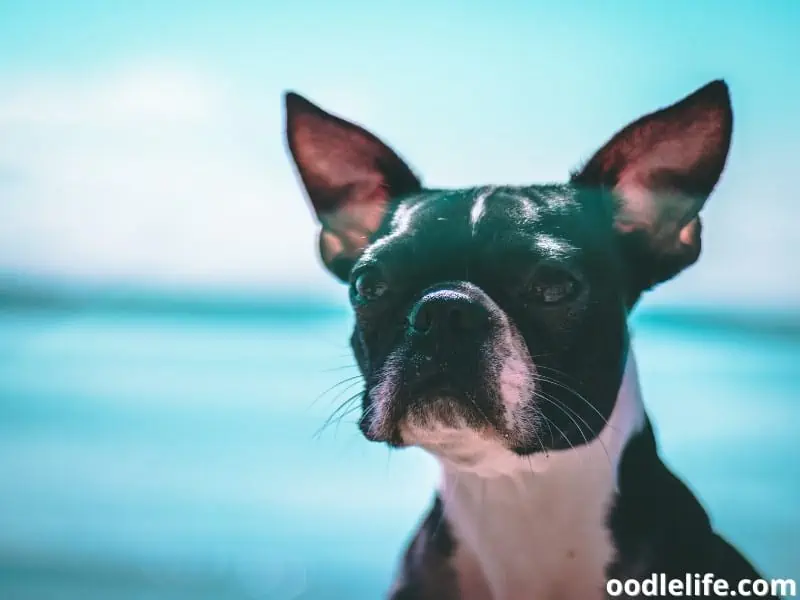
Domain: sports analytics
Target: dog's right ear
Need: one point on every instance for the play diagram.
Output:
(350, 177)
(661, 170)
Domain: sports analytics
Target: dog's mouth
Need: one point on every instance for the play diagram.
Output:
(422, 420)
(466, 427)
(490, 395)
(438, 402)
(449, 405)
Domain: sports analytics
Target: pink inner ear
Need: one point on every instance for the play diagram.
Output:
(350, 177)
(637, 209)
(690, 235)
(348, 229)
(663, 166)
(339, 161)
(666, 172)
(331, 160)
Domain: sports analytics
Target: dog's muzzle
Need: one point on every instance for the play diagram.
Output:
(461, 364)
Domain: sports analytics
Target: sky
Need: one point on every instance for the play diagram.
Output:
(141, 143)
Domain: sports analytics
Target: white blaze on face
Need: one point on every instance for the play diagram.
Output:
(479, 207)
(516, 379)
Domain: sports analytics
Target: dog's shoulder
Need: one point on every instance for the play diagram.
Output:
(427, 571)
(660, 526)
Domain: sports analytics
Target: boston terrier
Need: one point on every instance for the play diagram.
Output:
(491, 330)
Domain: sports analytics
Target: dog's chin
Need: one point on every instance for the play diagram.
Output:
(462, 445)
(431, 414)
(423, 411)
(413, 421)
(456, 432)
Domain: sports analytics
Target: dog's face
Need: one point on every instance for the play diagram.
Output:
(498, 313)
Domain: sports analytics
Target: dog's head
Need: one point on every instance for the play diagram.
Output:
(499, 312)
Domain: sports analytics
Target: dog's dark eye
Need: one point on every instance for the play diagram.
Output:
(552, 286)
(369, 285)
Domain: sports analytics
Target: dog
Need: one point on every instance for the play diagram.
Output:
(491, 330)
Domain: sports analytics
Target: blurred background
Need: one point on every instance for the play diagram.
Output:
(168, 341)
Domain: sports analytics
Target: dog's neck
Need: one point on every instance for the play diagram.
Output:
(539, 524)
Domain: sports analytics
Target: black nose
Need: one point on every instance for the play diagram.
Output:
(449, 313)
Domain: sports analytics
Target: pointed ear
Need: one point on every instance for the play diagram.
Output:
(661, 169)
(350, 177)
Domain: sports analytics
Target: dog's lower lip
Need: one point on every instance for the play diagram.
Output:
(437, 393)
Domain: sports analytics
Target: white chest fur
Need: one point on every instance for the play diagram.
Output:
(535, 529)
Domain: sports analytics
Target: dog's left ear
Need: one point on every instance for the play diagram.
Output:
(350, 176)
(661, 169)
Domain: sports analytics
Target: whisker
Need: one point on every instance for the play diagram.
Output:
(568, 389)
(564, 408)
(344, 390)
(341, 368)
(341, 411)
(348, 380)
(541, 443)
(346, 413)
(370, 409)
(549, 429)
(563, 435)
(530, 464)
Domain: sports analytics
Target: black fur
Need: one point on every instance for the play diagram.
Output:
(426, 573)
(660, 527)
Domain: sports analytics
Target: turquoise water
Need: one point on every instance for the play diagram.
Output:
(172, 456)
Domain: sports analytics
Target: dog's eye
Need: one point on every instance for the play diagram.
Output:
(554, 286)
(368, 286)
